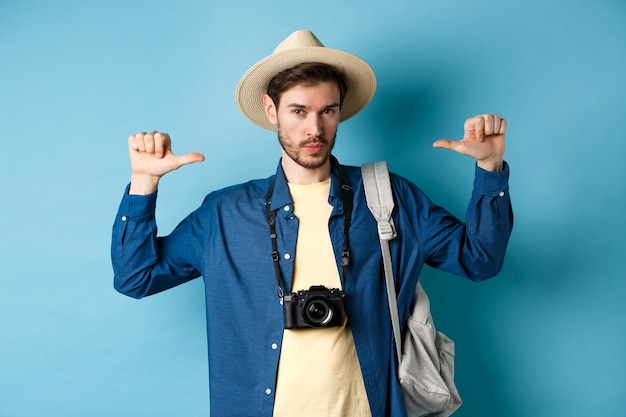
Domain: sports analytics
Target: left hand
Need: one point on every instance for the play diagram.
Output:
(483, 140)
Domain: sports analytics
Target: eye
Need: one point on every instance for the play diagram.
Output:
(330, 111)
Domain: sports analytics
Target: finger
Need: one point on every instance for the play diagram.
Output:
(489, 122)
(162, 143)
(148, 143)
(503, 126)
(139, 141)
(497, 121)
(475, 127)
(134, 140)
(131, 142)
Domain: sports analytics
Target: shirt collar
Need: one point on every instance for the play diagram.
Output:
(282, 198)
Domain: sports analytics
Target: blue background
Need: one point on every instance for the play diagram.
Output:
(545, 338)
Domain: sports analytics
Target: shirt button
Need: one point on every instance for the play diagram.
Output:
(501, 194)
(274, 346)
(287, 256)
(268, 391)
(124, 218)
(286, 208)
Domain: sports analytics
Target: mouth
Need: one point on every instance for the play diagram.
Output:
(315, 146)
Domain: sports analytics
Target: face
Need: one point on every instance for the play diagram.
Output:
(307, 119)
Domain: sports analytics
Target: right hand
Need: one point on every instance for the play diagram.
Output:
(151, 157)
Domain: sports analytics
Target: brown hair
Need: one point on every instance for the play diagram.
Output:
(307, 74)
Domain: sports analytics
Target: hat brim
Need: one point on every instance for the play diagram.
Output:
(253, 85)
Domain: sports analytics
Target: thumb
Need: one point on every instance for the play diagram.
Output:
(446, 144)
(187, 159)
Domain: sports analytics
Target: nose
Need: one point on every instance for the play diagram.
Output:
(314, 125)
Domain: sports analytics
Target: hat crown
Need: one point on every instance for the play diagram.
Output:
(299, 47)
(299, 39)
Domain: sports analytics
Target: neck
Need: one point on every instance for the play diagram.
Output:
(297, 174)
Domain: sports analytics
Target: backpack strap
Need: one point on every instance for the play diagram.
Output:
(379, 197)
(377, 186)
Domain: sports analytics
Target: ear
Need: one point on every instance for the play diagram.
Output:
(270, 109)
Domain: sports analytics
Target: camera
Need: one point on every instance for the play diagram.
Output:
(318, 307)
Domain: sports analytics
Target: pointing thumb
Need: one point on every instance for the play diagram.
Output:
(189, 158)
(444, 143)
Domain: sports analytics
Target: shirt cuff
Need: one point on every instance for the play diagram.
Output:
(138, 207)
(491, 183)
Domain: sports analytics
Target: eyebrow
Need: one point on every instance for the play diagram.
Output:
(302, 106)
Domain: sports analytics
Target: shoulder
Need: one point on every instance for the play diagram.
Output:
(252, 190)
(399, 182)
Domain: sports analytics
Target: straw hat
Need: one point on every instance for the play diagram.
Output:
(300, 47)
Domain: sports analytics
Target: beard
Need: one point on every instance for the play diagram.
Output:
(298, 153)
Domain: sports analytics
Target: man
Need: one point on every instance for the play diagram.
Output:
(306, 228)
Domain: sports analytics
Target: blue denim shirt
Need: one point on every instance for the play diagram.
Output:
(226, 241)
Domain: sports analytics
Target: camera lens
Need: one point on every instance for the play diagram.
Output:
(317, 312)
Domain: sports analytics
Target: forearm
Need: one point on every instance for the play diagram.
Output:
(475, 248)
(141, 267)
(488, 223)
(133, 244)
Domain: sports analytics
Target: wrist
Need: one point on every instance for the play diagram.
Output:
(491, 166)
(141, 184)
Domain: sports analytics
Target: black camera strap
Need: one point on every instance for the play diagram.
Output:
(346, 201)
